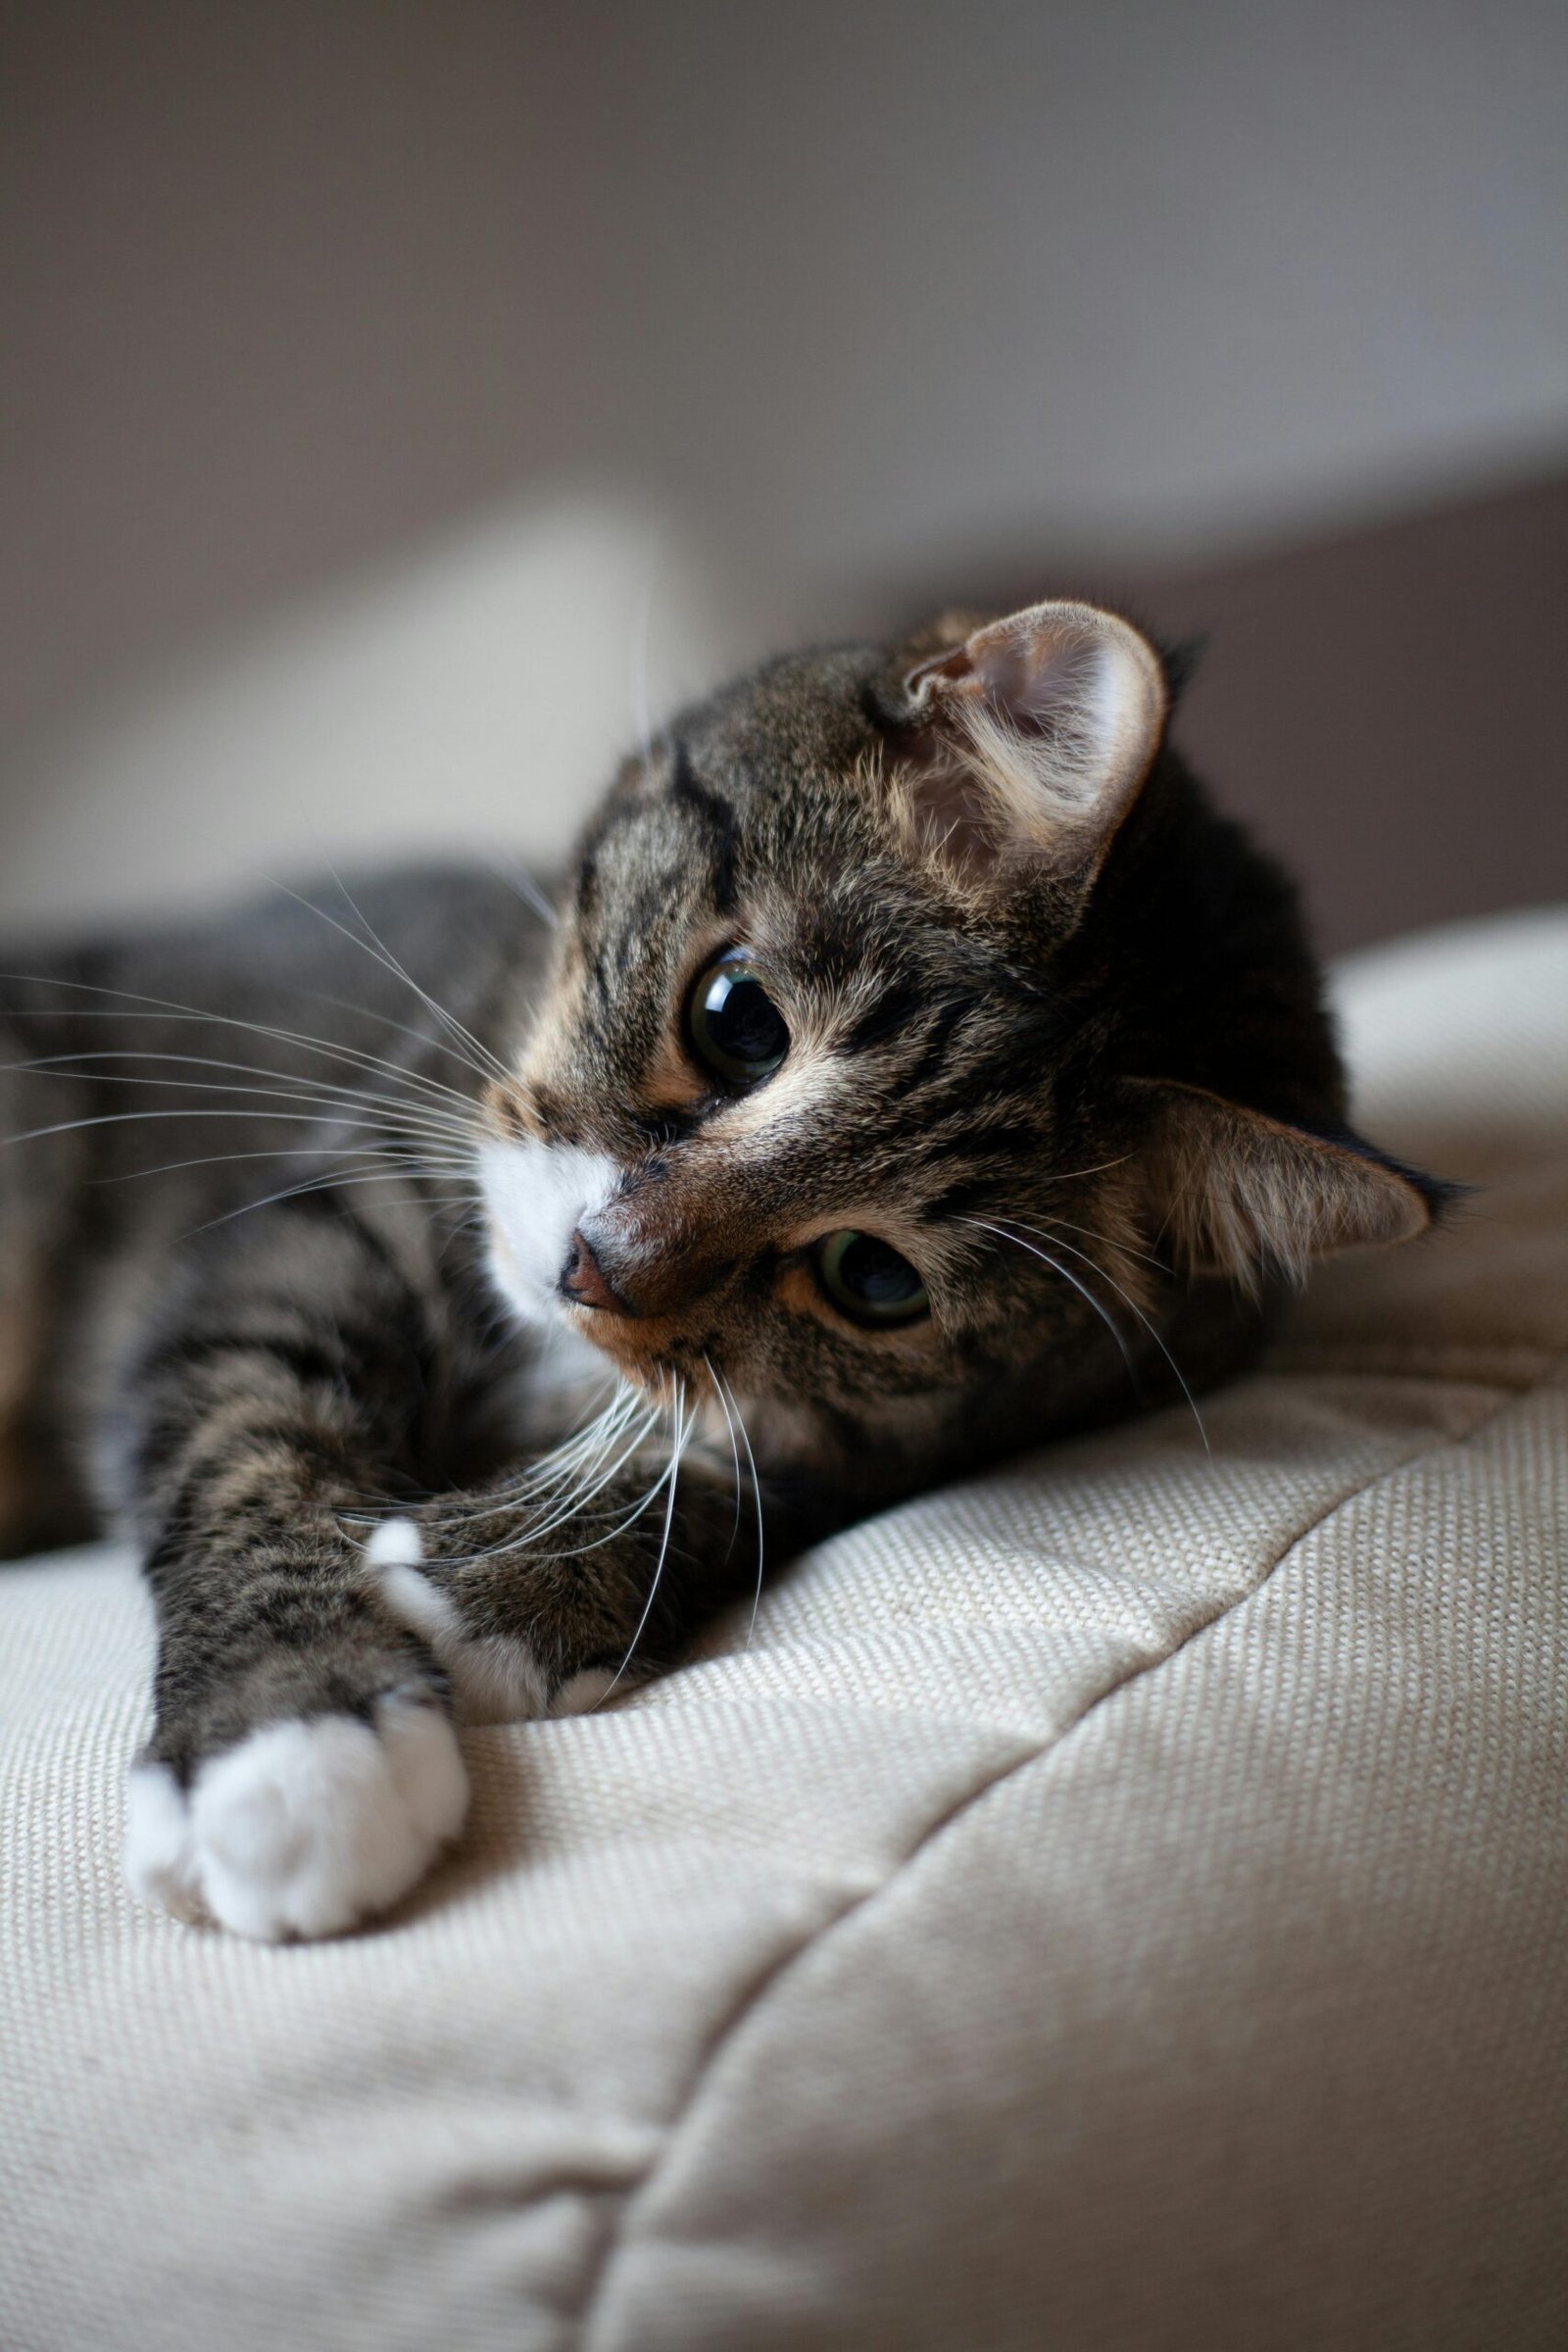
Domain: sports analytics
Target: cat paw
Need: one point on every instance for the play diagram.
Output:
(306, 1828)
(493, 1677)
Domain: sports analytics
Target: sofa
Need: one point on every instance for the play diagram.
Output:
(1119, 1901)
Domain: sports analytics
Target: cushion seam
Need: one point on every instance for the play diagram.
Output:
(752, 1998)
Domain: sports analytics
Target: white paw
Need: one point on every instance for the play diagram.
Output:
(305, 1827)
(493, 1680)
(159, 1855)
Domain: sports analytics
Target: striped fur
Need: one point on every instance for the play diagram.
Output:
(311, 1283)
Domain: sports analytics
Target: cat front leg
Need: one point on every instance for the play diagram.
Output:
(535, 1619)
(302, 1770)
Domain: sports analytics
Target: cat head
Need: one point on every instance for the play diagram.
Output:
(917, 1038)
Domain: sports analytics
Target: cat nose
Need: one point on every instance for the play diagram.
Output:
(584, 1282)
(617, 1260)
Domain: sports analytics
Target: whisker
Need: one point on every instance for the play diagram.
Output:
(322, 1092)
(518, 878)
(1154, 1335)
(1150, 1327)
(330, 1182)
(381, 955)
(558, 1469)
(535, 1531)
(121, 1119)
(577, 1551)
(735, 1451)
(216, 1160)
(335, 1050)
(1070, 1175)
(1067, 1275)
(638, 679)
(573, 1508)
(1094, 1235)
(677, 1446)
(550, 1470)
(756, 1497)
(387, 963)
(454, 1025)
(576, 1482)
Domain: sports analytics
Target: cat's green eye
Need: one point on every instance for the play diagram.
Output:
(733, 1023)
(868, 1279)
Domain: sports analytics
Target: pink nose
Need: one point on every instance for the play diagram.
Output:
(582, 1279)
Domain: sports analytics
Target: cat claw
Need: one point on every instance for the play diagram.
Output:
(303, 1829)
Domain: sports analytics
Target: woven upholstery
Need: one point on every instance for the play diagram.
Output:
(1117, 1902)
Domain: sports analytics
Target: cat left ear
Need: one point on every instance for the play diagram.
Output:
(1036, 732)
(1240, 1193)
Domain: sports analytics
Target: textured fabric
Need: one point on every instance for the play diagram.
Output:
(1119, 1901)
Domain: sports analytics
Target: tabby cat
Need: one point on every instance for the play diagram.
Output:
(916, 1067)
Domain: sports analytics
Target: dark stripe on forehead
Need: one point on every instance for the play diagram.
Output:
(934, 1052)
(1016, 1061)
(973, 1192)
(894, 1009)
(1013, 1139)
(900, 1008)
(716, 817)
(599, 975)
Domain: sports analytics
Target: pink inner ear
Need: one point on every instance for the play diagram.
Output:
(957, 818)
(1034, 675)
(953, 664)
(1041, 730)
(1039, 671)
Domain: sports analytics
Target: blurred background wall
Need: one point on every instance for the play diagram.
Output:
(403, 401)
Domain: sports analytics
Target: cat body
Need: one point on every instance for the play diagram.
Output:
(455, 1304)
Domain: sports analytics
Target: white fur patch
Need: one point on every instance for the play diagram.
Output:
(305, 1827)
(160, 1865)
(395, 1543)
(536, 1195)
(584, 1692)
(494, 1679)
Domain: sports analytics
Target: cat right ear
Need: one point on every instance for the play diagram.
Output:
(1034, 737)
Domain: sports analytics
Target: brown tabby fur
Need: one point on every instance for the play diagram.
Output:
(1083, 1079)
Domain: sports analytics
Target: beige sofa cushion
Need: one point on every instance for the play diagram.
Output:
(1117, 1902)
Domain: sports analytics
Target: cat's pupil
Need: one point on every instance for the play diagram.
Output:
(735, 1025)
(876, 1273)
(868, 1278)
(744, 1022)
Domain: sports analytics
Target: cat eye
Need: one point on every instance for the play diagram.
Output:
(733, 1023)
(868, 1279)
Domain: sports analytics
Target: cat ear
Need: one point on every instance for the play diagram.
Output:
(1035, 735)
(1241, 1194)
